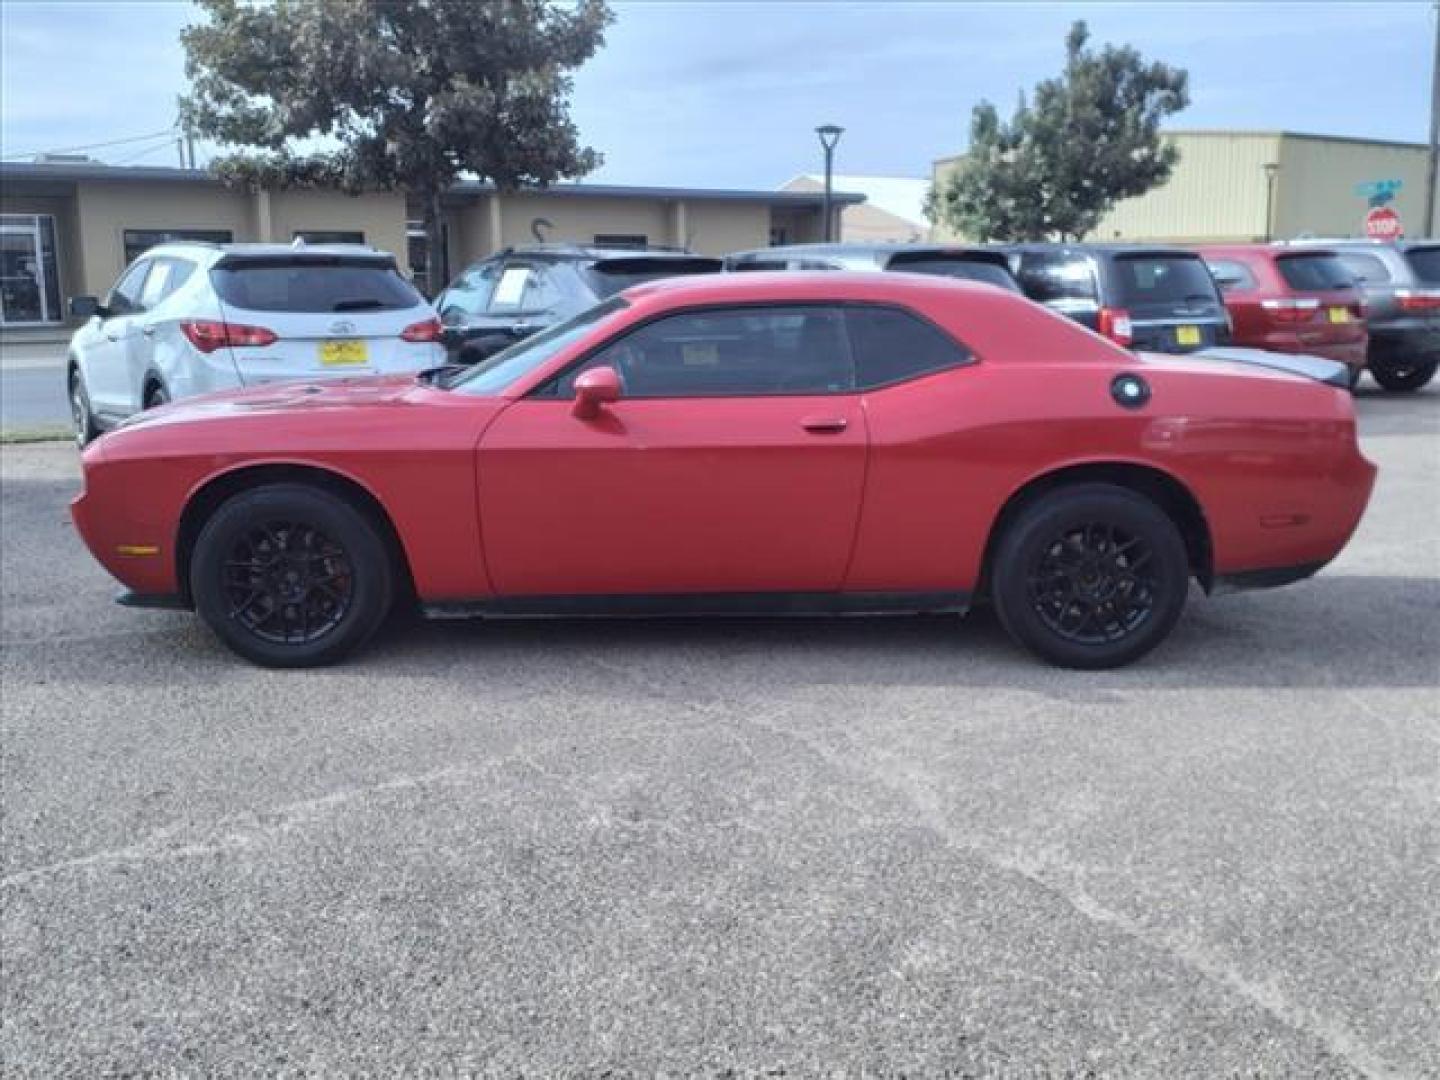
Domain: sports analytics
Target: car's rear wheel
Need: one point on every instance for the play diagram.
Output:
(83, 419)
(291, 576)
(1402, 375)
(1090, 576)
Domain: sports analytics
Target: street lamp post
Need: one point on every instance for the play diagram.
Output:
(829, 136)
(1271, 169)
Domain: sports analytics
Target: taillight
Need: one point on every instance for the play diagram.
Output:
(1115, 324)
(1291, 310)
(429, 330)
(1418, 299)
(207, 335)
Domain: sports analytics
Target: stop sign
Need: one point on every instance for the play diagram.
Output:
(1382, 223)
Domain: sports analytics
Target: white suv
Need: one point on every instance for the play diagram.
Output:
(189, 318)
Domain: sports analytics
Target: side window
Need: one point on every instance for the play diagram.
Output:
(1368, 269)
(469, 295)
(1230, 275)
(1048, 278)
(892, 346)
(124, 298)
(735, 352)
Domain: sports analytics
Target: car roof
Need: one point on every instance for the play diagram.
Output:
(1112, 249)
(598, 254)
(812, 286)
(211, 252)
(874, 248)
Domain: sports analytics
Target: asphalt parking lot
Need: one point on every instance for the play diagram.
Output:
(894, 845)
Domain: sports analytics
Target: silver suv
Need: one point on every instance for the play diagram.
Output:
(1402, 298)
(189, 318)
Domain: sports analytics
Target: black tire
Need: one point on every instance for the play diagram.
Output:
(86, 430)
(156, 396)
(290, 575)
(1402, 376)
(1091, 576)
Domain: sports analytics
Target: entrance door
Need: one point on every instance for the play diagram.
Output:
(29, 283)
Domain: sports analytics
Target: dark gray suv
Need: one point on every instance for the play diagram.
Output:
(945, 260)
(1402, 306)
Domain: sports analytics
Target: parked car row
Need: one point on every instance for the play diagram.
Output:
(188, 318)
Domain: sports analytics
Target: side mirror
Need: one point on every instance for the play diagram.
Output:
(85, 307)
(594, 388)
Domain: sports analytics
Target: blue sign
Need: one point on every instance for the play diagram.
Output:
(1378, 192)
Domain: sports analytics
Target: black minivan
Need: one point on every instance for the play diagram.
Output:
(1154, 298)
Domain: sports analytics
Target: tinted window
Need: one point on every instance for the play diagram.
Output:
(1229, 274)
(760, 264)
(299, 284)
(891, 345)
(551, 290)
(616, 275)
(1161, 279)
(124, 298)
(1315, 272)
(502, 369)
(1426, 264)
(968, 269)
(329, 236)
(1367, 269)
(731, 352)
(622, 240)
(1045, 277)
(469, 294)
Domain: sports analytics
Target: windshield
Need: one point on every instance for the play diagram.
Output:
(1426, 264)
(498, 372)
(616, 275)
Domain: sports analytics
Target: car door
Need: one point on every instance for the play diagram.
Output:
(107, 361)
(733, 463)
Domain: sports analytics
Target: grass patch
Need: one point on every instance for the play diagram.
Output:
(17, 436)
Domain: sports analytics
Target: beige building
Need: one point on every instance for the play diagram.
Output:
(1253, 185)
(69, 228)
(893, 211)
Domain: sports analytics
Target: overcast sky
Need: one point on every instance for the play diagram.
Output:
(728, 93)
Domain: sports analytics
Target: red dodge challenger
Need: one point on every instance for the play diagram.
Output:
(790, 443)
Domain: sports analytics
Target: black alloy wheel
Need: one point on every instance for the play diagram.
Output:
(290, 575)
(1090, 576)
(1402, 375)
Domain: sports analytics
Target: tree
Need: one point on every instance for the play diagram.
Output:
(391, 93)
(1052, 171)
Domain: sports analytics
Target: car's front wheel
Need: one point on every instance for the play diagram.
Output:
(81, 416)
(1090, 576)
(291, 576)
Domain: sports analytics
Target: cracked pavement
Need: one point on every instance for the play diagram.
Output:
(816, 846)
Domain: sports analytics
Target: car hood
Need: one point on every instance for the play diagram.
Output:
(298, 396)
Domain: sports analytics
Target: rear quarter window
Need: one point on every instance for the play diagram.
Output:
(890, 345)
(1046, 278)
(1230, 274)
(298, 285)
(1314, 273)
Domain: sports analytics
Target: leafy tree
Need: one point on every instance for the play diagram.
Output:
(391, 93)
(1090, 138)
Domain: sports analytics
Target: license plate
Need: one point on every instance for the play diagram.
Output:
(342, 353)
(1339, 314)
(1187, 335)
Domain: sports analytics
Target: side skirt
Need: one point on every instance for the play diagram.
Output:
(1272, 578)
(701, 604)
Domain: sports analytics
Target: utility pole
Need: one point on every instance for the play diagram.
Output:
(829, 136)
(1434, 131)
(180, 149)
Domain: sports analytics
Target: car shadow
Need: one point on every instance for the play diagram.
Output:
(1340, 631)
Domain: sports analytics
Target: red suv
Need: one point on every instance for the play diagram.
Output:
(1291, 301)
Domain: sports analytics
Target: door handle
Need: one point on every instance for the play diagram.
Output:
(825, 425)
(148, 331)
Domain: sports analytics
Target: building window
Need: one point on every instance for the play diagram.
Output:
(29, 271)
(139, 241)
(330, 236)
(622, 240)
(779, 236)
(417, 254)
